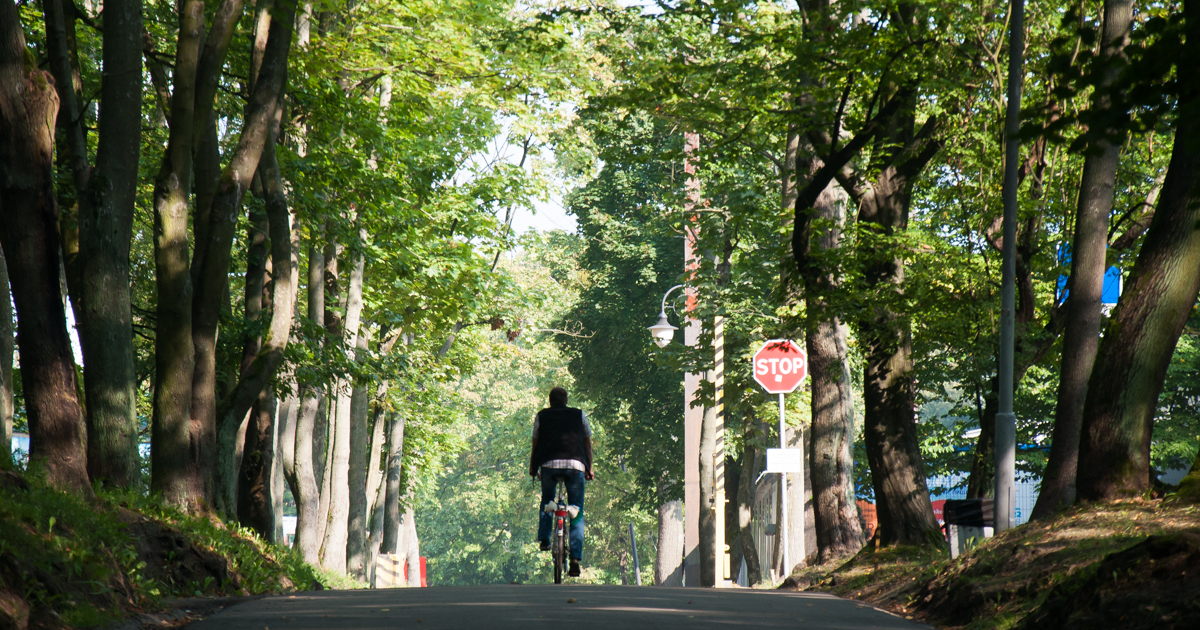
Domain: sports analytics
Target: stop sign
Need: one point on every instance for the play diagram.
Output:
(779, 366)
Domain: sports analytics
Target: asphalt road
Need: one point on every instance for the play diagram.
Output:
(549, 606)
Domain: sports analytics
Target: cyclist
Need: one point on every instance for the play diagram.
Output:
(562, 447)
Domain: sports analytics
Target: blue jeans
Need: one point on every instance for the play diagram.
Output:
(574, 479)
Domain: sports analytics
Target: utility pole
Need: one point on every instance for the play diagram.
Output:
(693, 417)
(1006, 420)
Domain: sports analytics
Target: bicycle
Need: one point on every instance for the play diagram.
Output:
(560, 534)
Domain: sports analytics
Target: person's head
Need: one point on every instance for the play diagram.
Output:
(558, 397)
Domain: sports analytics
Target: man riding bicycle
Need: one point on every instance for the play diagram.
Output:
(562, 448)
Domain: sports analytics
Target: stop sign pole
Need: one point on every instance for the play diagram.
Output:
(780, 365)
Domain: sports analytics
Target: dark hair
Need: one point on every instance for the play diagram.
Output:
(558, 396)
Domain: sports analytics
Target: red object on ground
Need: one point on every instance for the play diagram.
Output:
(868, 517)
(424, 582)
(780, 366)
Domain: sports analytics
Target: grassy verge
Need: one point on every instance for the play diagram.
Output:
(1129, 564)
(67, 561)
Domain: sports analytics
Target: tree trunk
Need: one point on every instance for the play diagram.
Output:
(752, 466)
(668, 564)
(707, 512)
(255, 144)
(174, 449)
(251, 483)
(360, 447)
(326, 475)
(391, 505)
(838, 532)
(287, 437)
(375, 543)
(106, 227)
(893, 449)
(255, 504)
(308, 495)
(29, 237)
(1189, 486)
(1118, 415)
(6, 365)
(1082, 335)
(413, 549)
(333, 554)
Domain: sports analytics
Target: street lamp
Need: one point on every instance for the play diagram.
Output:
(663, 331)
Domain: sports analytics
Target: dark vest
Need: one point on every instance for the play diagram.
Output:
(561, 435)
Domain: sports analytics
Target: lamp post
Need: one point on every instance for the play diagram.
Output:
(663, 333)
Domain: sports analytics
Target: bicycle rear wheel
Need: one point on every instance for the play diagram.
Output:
(558, 550)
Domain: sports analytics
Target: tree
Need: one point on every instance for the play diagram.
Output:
(1088, 265)
(1138, 343)
(29, 237)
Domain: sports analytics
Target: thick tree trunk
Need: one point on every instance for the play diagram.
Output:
(668, 565)
(1082, 335)
(174, 452)
(893, 449)
(28, 216)
(1118, 415)
(106, 227)
(6, 365)
(838, 532)
(333, 551)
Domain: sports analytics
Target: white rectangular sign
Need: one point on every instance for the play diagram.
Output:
(785, 460)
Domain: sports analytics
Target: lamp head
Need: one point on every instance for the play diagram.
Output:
(663, 331)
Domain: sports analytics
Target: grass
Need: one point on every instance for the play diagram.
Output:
(1038, 571)
(90, 562)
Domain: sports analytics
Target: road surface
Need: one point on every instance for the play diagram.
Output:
(548, 606)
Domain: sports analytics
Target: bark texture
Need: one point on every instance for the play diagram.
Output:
(1118, 415)
(29, 237)
(1081, 338)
